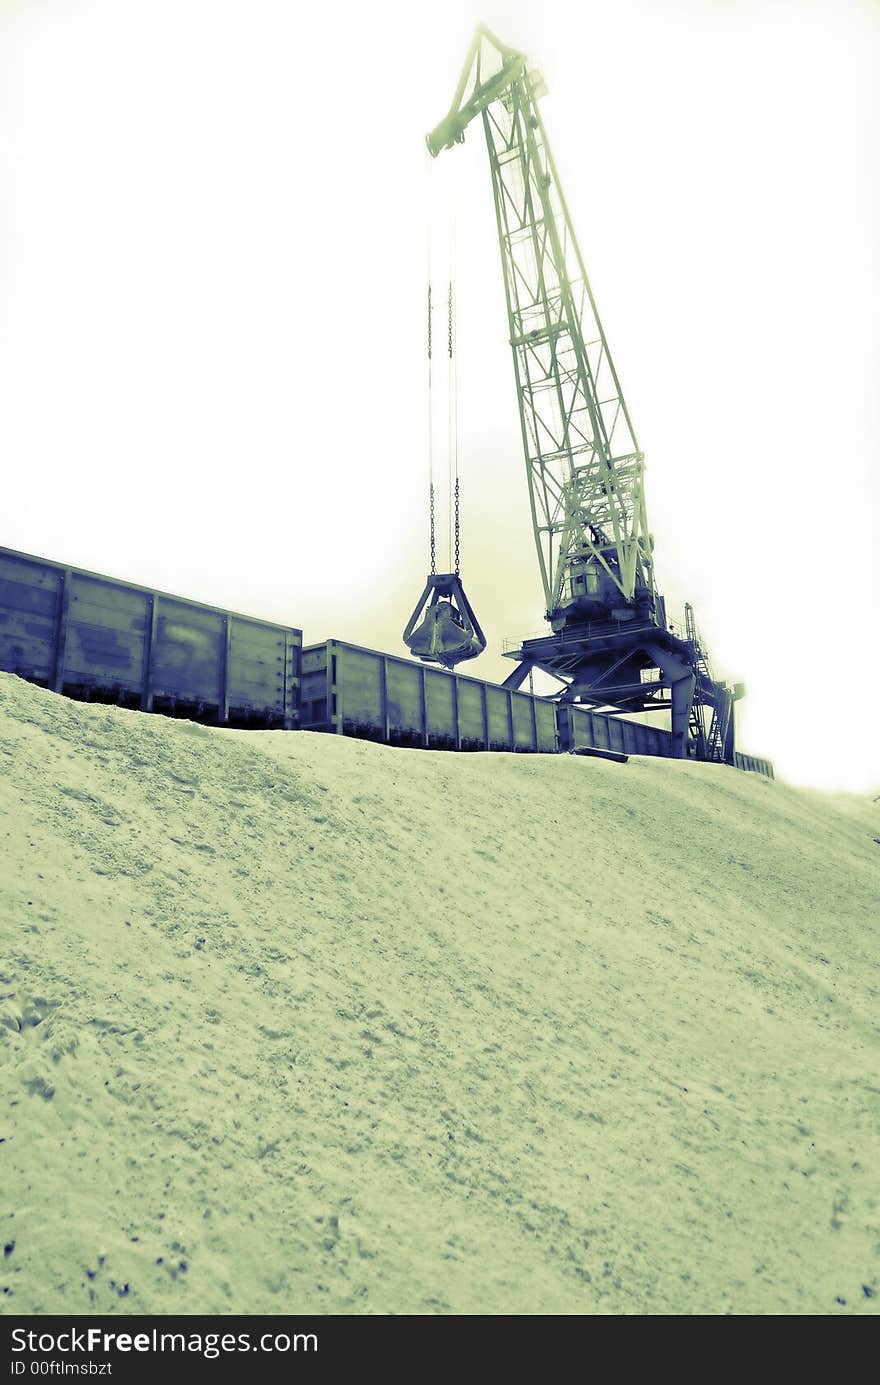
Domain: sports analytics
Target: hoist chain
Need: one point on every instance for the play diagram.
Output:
(433, 541)
(450, 321)
(431, 444)
(453, 437)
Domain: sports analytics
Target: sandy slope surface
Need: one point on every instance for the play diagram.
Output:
(301, 1024)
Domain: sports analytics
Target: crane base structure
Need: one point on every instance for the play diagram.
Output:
(636, 668)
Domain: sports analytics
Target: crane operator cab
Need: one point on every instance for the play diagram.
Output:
(443, 628)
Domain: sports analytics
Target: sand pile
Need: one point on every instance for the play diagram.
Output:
(299, 1024)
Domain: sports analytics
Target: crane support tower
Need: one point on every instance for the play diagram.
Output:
(609, 643)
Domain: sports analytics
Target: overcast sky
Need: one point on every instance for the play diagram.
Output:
(212, 332)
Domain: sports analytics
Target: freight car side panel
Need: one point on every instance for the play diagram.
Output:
(189, 651)
(522, 716)
(440, 720)
(359, 692)
(581, 729)
(94, 636)
(753, 764)
(263, 667)
(498, 718)
(30, 600)
(471, 714)
(615, 734)
(403, 695)
(315, 690)
(104, 634)
(362, 692)
(545, 724)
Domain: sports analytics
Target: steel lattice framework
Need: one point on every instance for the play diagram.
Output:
(584, 467)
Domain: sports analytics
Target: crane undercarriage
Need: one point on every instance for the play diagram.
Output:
(635, 668)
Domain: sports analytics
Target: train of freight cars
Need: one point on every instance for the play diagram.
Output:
(97, 638)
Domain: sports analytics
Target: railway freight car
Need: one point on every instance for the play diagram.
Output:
(359, 692)
(97, 638)
(580, 728)
(753, 764)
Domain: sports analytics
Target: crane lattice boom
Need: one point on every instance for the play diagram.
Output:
(584, 467)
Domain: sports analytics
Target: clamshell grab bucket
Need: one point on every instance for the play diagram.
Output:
(442, 637)
(443, 628)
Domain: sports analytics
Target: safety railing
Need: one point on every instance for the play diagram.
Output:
(593, 630)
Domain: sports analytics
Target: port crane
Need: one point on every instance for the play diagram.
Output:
(609, 643)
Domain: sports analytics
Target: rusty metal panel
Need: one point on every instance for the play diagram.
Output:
(293, 647)
(315, 690)
(109, 604)
(382, 697)
(403, 699)
(631, 743)
(642, 739)
(440, 708)
(359, 686)
(107, 624)
(523, 721)
(498, 714)
(753, 764)
(30, 595)
(545, 725)
(189, 652)
(584, 729)
(663, 741)
(576, 728)
(90, 635)
(262, 669)
(471, 727)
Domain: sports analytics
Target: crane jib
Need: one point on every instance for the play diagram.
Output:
(573, 418)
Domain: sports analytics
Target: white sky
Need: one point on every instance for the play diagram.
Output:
(213, 265)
